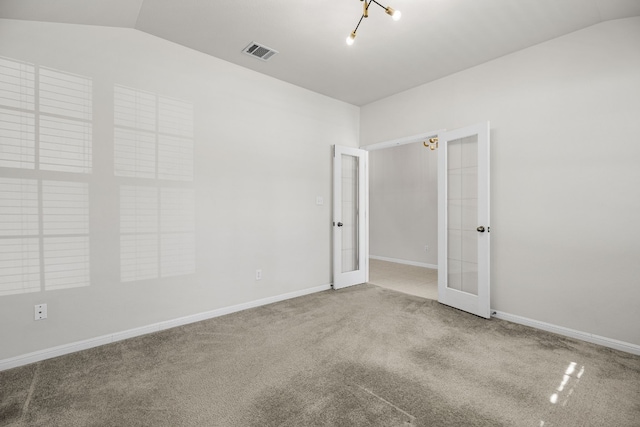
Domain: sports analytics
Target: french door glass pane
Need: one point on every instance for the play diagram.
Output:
(462, 212)
(350, 256)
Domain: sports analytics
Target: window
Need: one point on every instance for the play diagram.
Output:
(153, 136)
(65, 223)
(19, 236)
(138, 233)
(44, 209)
(153, 140)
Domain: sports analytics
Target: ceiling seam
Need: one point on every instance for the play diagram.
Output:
(135, 26)
(595, 3)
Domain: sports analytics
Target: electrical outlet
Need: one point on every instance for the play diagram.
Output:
(258, 274)
(40, 311)
(319, 200)
(426, 248)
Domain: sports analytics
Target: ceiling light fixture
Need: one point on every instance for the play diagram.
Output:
(395, 14)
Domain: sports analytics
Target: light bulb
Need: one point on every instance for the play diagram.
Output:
(351, 38)
(395, 14)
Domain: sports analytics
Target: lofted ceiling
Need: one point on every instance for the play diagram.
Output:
(433, 39)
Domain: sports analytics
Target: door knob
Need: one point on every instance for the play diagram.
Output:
(340, 224)
(480, 229)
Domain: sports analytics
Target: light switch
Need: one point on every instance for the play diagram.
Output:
(319, 201)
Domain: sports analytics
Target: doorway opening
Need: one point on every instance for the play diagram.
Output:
(403, 216)
(443, 197)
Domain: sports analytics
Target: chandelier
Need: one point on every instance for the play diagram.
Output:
(395, 14)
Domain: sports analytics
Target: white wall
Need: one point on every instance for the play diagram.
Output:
(403, 203)
(262, 155)
(565, 123)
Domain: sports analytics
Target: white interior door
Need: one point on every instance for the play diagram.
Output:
(463, 219)
(350, 195)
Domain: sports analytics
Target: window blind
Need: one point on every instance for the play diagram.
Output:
(19, 242)
(138, 233)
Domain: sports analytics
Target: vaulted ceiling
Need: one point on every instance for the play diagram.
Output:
(433, 39)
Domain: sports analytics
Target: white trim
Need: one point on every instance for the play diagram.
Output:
(572, 333)
(402, 141)
(61, 350)
(404, 261)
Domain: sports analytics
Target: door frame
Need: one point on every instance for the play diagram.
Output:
(380, 146)
(420, 138)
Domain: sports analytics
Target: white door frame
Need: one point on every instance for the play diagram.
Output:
(424, 137)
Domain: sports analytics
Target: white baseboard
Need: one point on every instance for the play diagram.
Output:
(61, 350)
(560, 330)
(404, 261)
(572, 333)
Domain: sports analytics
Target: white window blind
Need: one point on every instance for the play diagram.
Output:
(48, 244)
(17, 126)
(19, 265)
(65, 145)
(138, 257)
(175, 158)
(138, 209)
(65, 207)
(66, 262)
(65, 94)
(177, 225)
(18, 207)
(17, 84)
(178, 254)
(135, 153)
(65, 105)
(177, 207)
(19, 242)
(135, 133)
(17, 139)
(175, 117)
(153, 139)
(175, 142)
(138, 233)
(153, 136)
(65, 222)
(134, 109)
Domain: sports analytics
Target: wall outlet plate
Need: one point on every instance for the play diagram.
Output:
(40, 311)
(258, 274)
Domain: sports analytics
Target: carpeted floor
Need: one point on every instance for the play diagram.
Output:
(409, 279)
(361, 356)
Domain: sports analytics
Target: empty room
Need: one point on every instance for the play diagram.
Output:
(319, 213)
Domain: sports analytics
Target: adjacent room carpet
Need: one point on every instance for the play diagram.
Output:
(361, 356)
(409, 279)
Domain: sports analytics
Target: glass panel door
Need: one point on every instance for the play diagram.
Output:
(462, 189)
(350, 256)
(463, 219)
(350, 266)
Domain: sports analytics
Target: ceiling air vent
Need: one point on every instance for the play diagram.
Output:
(259, 51)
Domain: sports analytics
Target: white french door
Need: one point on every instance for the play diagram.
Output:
(463, 219)
(350, 251)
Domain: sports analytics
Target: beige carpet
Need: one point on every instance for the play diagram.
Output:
(409, 279)
(361, 356)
